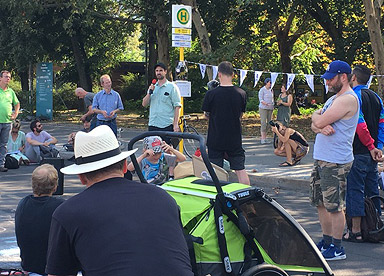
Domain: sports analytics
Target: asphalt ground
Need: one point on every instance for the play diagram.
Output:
(288, 186)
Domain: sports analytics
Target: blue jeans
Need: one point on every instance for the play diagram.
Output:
(362, 181)
(111, 123)
(5, 129)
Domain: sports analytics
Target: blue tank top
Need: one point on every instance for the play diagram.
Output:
(337, 148)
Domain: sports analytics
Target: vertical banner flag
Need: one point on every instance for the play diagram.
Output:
(257, 77)
(369, 81)
(326, 86)
(310, 82)
(203, 67)
(273, 79)
(290, 78)
(243, 75)
(214, 72)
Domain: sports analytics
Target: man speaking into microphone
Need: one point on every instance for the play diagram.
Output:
(163, 98)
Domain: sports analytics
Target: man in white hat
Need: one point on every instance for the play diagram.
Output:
(115, 226)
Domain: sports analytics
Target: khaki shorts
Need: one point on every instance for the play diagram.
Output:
(328, 185)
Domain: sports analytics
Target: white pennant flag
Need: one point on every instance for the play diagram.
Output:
(290, 78)
(203, 67)
(326, 86)
(257, 77)
(243, 75)
(273, 79)
(214, 72)
(369, 81)
(310, 82)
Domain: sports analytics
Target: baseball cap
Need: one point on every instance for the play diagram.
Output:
(336, 67)
(267, 80)
(160, 64)
(153, 143)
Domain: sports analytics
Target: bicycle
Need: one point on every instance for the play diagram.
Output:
(190, 145)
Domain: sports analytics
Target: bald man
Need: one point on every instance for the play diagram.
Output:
(90, 116)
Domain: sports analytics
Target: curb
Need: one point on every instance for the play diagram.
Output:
(274, 182)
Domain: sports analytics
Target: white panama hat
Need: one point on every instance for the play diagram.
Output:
(96, 150)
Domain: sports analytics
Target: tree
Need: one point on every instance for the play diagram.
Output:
(373, 15)
(344, 23)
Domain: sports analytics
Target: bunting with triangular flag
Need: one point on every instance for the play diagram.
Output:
(203, 67)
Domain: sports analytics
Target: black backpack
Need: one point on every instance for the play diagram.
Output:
(372, 227)
(11, 162)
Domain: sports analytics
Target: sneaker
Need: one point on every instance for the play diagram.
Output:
(3, 169)
(334, 253)
(321, 246)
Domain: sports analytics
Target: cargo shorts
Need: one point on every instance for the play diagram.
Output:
(328, 185)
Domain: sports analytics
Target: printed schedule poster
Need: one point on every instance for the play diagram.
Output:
(44, 89)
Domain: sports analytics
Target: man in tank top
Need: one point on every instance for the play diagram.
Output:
(335, 125)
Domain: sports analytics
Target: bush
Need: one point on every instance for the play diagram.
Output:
(253, 104)
(64, 97)
(133, 87)
(135, 106)
(309, 111)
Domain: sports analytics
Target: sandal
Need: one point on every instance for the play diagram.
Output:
(353, 237)
(285, 164)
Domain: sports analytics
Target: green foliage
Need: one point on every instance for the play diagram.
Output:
(309, 111)
(136, 107)
(133, 87)
(64, 97)
(253, 104)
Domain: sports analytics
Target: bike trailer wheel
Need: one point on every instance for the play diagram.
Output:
(264, 270)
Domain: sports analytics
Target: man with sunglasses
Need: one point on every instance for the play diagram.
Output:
(36, 139)
(8, 99)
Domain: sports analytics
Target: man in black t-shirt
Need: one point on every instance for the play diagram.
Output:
(224, 106)
(33, 219)
(115, 226)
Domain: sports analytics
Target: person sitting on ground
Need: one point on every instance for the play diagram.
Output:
(291, 144)
(16, 143)
(38, 142)
(71, 137)
(158, 160)
(33, 219)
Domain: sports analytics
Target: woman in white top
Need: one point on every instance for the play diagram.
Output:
(265, 108)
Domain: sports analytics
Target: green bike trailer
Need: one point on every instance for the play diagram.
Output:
(235, 229)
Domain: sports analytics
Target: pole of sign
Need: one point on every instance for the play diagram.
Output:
(181, 144)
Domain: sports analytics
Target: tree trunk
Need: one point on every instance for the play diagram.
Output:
(24, 79)
(201, 29)
(81, 63)
(285, 43)
(152, 55)
(163, 43)
(373, 16)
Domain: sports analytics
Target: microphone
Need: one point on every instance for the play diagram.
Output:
(150, 91)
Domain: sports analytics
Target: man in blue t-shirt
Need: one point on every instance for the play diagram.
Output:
(106, 104)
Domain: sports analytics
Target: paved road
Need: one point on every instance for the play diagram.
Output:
(287, 185)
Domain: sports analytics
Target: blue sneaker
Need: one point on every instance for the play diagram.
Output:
(334, 253)
(321, 246)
